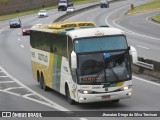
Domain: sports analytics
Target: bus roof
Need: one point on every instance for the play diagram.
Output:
(62, 26)
(77, 29)
(97, 31)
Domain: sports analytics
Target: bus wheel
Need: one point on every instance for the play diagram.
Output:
(115, 101)
(72, 102)
(42, 84)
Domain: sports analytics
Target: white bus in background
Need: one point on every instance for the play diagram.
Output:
(84, 62)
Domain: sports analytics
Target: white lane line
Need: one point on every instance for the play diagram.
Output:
(3, 29)
(12, 88)
(126, 30)
(150, 21)
(26, 95)
(18, 39)
(83, 118)
(106, 20)
(3, 76)
(146, 80)
(142, 47)
(32, 99)
(10, 92)
(22, 46)
(50, 103)
(7, 82)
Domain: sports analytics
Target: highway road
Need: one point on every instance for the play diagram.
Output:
(17, 86)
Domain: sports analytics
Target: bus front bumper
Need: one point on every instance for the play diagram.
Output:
(87, 98)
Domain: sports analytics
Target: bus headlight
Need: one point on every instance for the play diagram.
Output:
(126, 87)
(85, 91)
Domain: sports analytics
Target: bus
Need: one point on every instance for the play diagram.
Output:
(84, 62)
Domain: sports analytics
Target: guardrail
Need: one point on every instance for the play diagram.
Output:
(145, 65)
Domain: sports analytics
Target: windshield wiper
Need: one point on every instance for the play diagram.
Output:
(110, 68)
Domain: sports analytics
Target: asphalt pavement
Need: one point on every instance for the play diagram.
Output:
(16, 66)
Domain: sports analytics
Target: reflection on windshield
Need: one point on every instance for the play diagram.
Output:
(116, 67)
(91, 68)
(104, 67)
(104, 43)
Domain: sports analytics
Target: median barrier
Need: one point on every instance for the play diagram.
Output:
(142, 69)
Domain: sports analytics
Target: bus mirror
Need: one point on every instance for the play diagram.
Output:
(73, 60)
(133, 53)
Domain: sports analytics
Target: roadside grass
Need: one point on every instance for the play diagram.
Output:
(22, 13)
(18, 14)
(153, 5)
(2, 1)
(156, 18)
(84, 1)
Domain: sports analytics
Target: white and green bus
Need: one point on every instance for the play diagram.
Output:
(84, 62)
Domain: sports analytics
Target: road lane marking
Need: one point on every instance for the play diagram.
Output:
(3, 76)
(27, 95)
(22, 46)
(126, 30)
(113, 13)
(18, 39)
(83, 118)
(146, 80)
(10, 92)
(3, 29)
(142, 47)
(12, 88)
(7, 82)
(50, 103)
(150, 21)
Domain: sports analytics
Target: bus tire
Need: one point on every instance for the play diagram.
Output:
(72, 102)
(38, 76)
(115, 101)
(42, 84)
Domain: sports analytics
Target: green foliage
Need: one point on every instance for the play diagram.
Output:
(155, 4)
(84, 1)
(156, 18)
(3, 1)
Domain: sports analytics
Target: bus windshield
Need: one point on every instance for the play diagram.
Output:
(110, 67)
(102, 59)
(104, 43)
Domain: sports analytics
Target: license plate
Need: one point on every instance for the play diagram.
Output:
(106, 97)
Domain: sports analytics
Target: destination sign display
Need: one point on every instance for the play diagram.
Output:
(91, 78)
